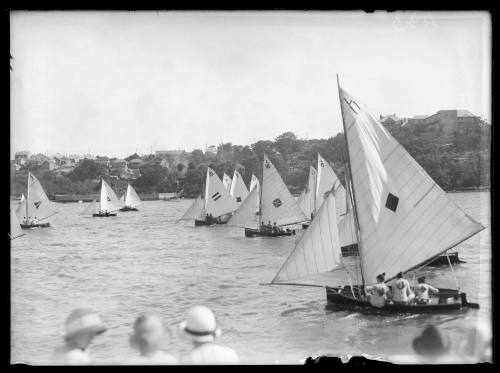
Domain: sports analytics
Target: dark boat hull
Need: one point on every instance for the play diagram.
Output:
(341, 298)
(103, 215)
(250, 232)
(40, 225)
(126, 208)
(200, 223)
(305, 225)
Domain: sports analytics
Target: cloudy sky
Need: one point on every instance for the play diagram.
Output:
(115, 82)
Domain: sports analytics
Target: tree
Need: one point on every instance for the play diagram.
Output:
(87, 169)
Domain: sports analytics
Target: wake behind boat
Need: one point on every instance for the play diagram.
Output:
(403, 220)
(36, 207)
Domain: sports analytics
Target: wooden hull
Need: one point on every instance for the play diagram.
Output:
(126, 208)
(104, 215)
(250, 232)
(40, 225)
(200, 223)
(449, 300)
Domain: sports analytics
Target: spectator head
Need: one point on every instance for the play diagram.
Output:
(200, 325)
(399, 275)
(148, 333)
(82, 325)
(381, 277)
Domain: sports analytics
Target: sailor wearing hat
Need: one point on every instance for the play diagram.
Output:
(378, 293)
(82, 325)
(148, 337)
(422, 291)
(201, 327)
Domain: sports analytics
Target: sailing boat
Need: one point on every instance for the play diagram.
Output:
(15, 227)
(403, 221)
(212, 207)
(131, 200)
(108, 203)
(238, 189)
(35, 207)
(275, 205)
(226, 180)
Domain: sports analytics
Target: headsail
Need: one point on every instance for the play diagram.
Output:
(239, 190)
(404, 217)
(217, 199)
(247, 215)
(132, 199)
(109, 201)
(254, 182)
(326, 180)
(307, 198)
(92, 208)
(277, 204)
(195, 210)
(226, 180)
(318, 250)
(15, 227)
(38, 204)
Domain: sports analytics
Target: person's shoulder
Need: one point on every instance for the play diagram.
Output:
(165, 358)
(229, 353)
(76, 357)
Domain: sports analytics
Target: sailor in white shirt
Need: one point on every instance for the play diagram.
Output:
(378, 293)
(422, 291)
(401, 290)
(82, 325)
(201, 327)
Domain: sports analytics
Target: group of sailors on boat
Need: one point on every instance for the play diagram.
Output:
(402, 293)
(272, 228)
(30, 221)
(209, 218)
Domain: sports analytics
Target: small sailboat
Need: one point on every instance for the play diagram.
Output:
(403, 220)
(272, 203)
(15, 228)
(238, 189)
(36, 207)
(107, 205)
(131, 200)
(214, 206)
(226, 180)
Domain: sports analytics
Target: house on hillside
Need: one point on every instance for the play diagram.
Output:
(451, 121)
(103, 161)
(48, 165)
(391, 121)
(21, 157)
(135, 163)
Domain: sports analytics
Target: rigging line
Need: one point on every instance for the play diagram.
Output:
(453, 271)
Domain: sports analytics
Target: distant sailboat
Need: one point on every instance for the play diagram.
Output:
(403, 220)
(36, 207)
(214, 206)
(226, 180)
(254, 182)
(131, 200)
(307, 199)
(108, 204)
(277, 207)
(238, 189)
(15, 227)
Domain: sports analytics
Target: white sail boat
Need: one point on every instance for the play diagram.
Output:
(214, 206)
(226, 180)
(131, 200)
(15, 227)
(107, 205)
(277, 207)
(254, 182)
(238, 189)
(37, 206)
(403, 221)
(307, 199)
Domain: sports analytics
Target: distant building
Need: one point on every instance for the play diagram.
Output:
(416, 120)
(48, 165)
(118, 163)
(135, 163)
(212, 149)
(391, 121)
(65, 169)
(103, 161)
(166, 153)
(453, 120)
(21, 157)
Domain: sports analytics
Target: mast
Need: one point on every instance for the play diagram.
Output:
(358, 236)
(261, 187)
(28, 196)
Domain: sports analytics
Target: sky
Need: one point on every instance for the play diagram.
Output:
(113, 83)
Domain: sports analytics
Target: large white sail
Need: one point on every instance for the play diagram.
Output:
(217, 199)
(326, 180)
(239, 190)
(37, 203)
(347, 229)
(132, 199)
(226, 180)
(307, 198)
(404, 217)
(247, 214)
(277, 204)
(318, 250)
(15, 227)
(91, 208)
(195, 210)
(254, 182)
(109, 201)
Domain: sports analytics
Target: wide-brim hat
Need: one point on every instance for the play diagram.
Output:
(84, 321)
(200, 325)
(197, 336)
(431, 342)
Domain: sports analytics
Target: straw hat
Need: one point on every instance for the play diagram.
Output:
(431, 342)
(200, 325)
(84, 320)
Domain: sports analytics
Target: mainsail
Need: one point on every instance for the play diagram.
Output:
(239, 190)
(217, 199)
(92, 208)
(405, 218)
(109, 201)
(318, 250)
(15, 227)
(195, 210)
(307, 198)
(277, 204)
(247, 215)
(326, 180)
(132, 199)
(226, 180)
(37, 203)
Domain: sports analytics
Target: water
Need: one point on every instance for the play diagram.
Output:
(144, 261)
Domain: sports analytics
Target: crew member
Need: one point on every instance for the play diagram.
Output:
(401, 290)
(379, 293)
(422, 291)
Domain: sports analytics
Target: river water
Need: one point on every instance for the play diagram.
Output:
(145, 261)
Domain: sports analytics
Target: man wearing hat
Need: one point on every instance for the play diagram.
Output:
(82, 325)
(148, 337)
(201, 328)
(422, 291)
(401, 290)
(378, 293)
